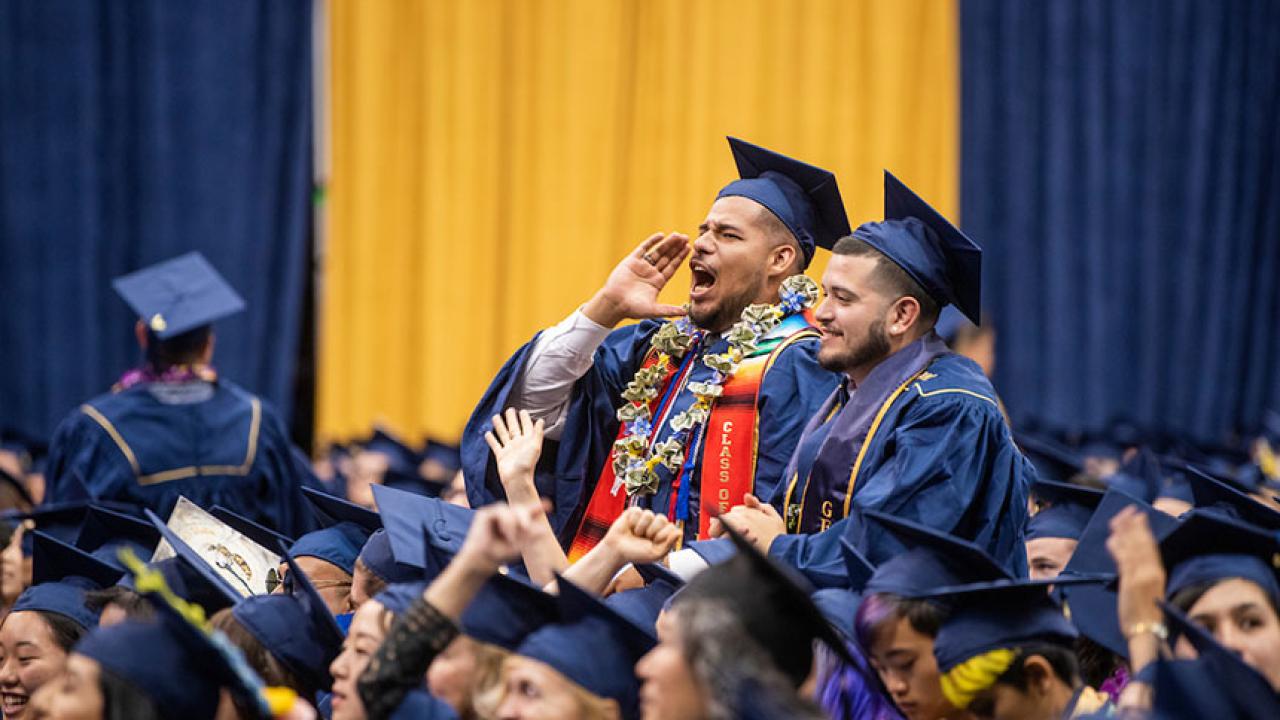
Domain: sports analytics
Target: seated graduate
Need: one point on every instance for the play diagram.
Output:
(688, 416)
(47, 619)
(288, 639)
(1207, 680)
(738, 639)
(549, 674)
(1063, 511)
(174, 427)
(1006, 652)
(1219, 571)
(1103, 648)
(895, 626)
(170, 667)
(914, 429)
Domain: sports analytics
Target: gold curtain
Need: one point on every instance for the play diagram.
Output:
(491, 161)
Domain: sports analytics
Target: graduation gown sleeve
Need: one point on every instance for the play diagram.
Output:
(568, 468)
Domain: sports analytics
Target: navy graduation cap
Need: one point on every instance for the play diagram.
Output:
(932, 559)
(406, 514)
(295, 627)
(338, 545)
(53, 560)
(773, 604)
(178, 295)
(1207, 547)
(105, 532)
(1140, 477)
(616, 644)
(1067, 510)
(402, 464)
(1217, 684)
(1093, 607)
(262, 535)
(805, 198)
(917, 238)
(1002, 614)
(65, 598)
(376, 553)
(856, 565)
(1052, 460)
(61, 520)
(1211, 494)
(176, 664)
(332, 510)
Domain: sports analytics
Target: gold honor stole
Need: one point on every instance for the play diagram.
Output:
(728, 466)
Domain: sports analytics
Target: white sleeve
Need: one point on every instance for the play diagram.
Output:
(561, 355)
(686, 563)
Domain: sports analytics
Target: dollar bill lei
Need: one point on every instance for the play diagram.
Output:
(635, 461)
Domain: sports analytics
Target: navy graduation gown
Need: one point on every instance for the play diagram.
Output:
(942, 455)
(791, 391)
(225, 447)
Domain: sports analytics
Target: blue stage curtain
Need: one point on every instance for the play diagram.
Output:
(135, 131)
(1120, 168)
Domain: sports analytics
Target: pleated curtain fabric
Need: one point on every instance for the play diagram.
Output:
(1121, 166)
(492, 160)
(130, 133)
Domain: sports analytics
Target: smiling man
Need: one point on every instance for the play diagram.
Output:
(914, 429)
(689, 416)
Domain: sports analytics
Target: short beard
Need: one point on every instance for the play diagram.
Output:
(727, 312)
(874, 349)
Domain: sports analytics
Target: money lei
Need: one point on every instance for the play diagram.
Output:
(635, 463)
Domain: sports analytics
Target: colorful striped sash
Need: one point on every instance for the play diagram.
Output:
(728, 455)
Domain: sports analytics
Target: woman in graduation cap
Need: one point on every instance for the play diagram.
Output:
(46, 621)
(1221, 572)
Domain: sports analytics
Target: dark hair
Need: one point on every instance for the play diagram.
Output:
(1190, 595)
(269, 668)
(122, 701)
(65, 631)
(877, 609)
(892, 278)
(135, 608)
(1097, 663)
(179, 349)
(1060, 658)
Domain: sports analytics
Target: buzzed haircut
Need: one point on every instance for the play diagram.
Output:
(893, 280)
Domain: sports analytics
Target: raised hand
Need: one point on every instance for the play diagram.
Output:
(497, 534)
(640, 536)
(631, 291)
(516, 441)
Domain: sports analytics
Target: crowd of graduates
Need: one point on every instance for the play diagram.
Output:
(785, 502)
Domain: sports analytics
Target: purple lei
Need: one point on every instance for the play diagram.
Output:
(171, 374)
(1115, 684)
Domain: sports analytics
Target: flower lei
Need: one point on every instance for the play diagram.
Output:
(635, 463)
